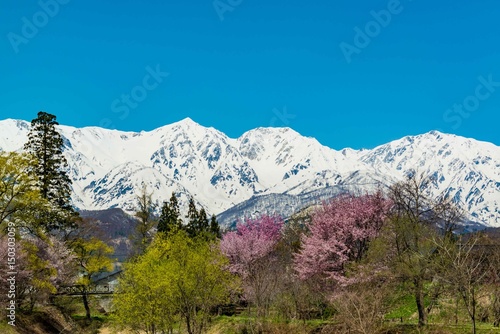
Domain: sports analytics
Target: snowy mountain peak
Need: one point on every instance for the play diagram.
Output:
(110, 167)
(185, 123)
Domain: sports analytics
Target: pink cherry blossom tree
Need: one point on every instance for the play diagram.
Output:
(251, 250)
(340, 232)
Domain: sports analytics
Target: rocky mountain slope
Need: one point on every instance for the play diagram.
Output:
(266, 169)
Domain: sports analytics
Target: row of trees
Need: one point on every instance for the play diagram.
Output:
(354, 246)
(170, 220)
(177, 274)
(197, 221)
(178, 279)
(354, 256)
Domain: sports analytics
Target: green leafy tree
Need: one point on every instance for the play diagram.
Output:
(45, 144)
(92, 258)
(18, 190)
(143, 300)
(41, 273)
(42, 260)
(201, 280)
(177, 278)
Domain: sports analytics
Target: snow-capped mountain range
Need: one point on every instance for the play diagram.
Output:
(271, 169)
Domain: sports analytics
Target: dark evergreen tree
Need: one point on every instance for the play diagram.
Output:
(199, 225)
(45, 144)
(215, 228)
(164, 221)
(169, 217)
(192, 216)
(202, 225)
(174, 205)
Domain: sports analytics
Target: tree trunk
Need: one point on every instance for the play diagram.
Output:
(86, 305)
(32, 304)
(419, 298)
(473, 315)
(188, 323)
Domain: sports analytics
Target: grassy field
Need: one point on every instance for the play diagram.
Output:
(445, 318)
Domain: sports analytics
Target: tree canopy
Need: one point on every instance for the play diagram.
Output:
(177, 278)
(45, 144)
(340, 232)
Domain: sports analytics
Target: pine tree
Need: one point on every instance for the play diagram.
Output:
(174, 205)
(192, 216)
(202, 225)
(45, 144)
(169, 218)
(199, 225)
(164, 220)
(215, 228)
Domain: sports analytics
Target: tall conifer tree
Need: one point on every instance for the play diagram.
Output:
(202, 225)
(214, 227)
(46, 144)
(192, 216)
(169, 218)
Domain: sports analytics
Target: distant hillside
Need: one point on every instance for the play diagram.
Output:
(115, 227)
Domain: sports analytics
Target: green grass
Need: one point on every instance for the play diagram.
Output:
(441, 320)
(404, 307)
(5, 328)
(243, 323)
(99, 318)
(440, 329)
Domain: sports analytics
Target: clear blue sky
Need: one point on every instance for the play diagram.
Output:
(239, 66)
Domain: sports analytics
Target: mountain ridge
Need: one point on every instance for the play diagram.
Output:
(109, 167)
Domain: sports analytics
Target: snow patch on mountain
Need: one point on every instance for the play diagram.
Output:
(253, 173)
